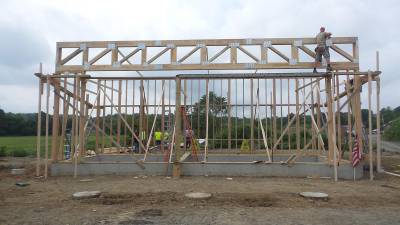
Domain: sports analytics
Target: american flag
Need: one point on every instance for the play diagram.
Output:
(356, 153)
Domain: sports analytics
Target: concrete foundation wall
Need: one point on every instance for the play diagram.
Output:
(102, 166)
(211, 158)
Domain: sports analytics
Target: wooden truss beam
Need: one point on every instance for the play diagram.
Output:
(205, 61)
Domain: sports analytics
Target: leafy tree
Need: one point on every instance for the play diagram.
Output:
(218, 105)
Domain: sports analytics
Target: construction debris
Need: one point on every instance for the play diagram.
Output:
(86, 194)
(314, 195)
(18, 171)
(198, 195)
(21, 184)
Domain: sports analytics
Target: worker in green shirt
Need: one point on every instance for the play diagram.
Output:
(157, 136)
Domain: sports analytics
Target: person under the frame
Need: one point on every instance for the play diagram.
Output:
(135, 143)
(188, 137)
(322, 49)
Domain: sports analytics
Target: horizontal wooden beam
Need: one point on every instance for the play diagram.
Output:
(206, 61)
(208, 42)
(219, 66)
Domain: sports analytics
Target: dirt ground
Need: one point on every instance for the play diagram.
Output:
(160, 200)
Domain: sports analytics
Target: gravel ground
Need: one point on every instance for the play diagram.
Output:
(160, 200)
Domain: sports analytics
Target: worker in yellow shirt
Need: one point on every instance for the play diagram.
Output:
(158, 136)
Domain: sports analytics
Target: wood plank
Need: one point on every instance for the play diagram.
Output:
(99, 56)
(199, 66)
(70, 56)
(207, 42)
(158, 55)
(125, 58)
(342, 52)
(189, 54)
(249, 54)
(280, 54)
(308, 51)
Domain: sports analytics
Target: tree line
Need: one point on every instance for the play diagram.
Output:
(25, 124)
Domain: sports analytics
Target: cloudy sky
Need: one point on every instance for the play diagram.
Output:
(29, 30)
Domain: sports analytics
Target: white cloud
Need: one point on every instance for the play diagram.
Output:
(35, 26)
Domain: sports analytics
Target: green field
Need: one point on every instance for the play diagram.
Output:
(20, 146)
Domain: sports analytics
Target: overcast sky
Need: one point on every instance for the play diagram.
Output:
(30, 29)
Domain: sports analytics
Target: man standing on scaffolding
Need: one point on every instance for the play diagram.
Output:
(322, 49)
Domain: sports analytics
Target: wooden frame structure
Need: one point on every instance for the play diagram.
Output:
(118, 54)
(275, 106)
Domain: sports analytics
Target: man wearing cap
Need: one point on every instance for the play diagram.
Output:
(322, 49)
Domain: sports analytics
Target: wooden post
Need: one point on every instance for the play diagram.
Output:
(371, 155)
(119, 110)
(82, 118)
(56, 120)
(64, 122)
(46, 154)
(103, 124)
(207, 109)
(339, 122)
(378, 119)
(274, 128)
(133, 112)
(304, 116)
(162, 117)
(251, 117)
(356, 103)
(178, 130)
(111, 136)
(96, 147)
(349, 119)
(39, 124)
(328, 89)
(281, 107)
(319, 114)
(331, 126)
(76, 116)
(288, 115)
(74, 154)
(378, 127)
(229, 115)
(74, 100)
(297, 118)
(314, 144)
(141, 114)
(126, 113)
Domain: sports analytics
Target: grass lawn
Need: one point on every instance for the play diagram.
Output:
(20, 144)
(26, 145)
